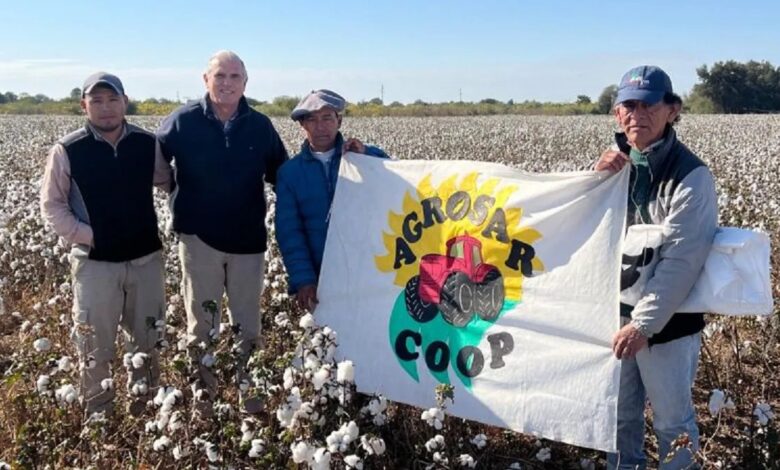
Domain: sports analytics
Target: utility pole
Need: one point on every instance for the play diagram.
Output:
(460, 95)
(382, 93)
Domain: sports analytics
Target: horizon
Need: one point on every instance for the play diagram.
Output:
(400, 51)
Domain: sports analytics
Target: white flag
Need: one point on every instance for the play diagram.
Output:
(502, 283)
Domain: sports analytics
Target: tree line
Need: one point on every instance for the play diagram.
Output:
(726, 87)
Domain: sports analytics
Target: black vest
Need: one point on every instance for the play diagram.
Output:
(117, 192)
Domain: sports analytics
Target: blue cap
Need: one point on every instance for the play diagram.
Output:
(646, 83)
(317, 100)
(103, 79)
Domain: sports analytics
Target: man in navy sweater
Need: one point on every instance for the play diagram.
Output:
(222, 152)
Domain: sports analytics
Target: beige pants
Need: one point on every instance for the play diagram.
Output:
(207, 273)
(107, 295)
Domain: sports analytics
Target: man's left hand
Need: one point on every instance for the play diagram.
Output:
(353, 145)
(627, 342)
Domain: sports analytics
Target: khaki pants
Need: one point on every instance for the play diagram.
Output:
(207, 273)
(107, 295)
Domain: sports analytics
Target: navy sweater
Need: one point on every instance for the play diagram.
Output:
(220, 172)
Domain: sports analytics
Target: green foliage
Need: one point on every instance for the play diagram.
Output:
(698, 103)
(583, 99)
(726, 87)
(279, 106)
(606, 99)
(734, 87)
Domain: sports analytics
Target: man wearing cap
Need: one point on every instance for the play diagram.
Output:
(222, 152)
(659, 348)
(305, 190)
(97, 194)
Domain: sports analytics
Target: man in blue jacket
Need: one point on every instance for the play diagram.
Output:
(305, 188)
(222, 153)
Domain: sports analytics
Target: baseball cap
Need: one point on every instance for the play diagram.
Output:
(105, 79)
(317, 100)
(646, 83)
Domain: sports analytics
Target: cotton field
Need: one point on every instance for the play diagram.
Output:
(313, 416)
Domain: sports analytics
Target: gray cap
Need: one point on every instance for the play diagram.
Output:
(317, 100)
(105, 79)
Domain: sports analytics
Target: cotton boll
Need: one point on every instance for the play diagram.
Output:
(345, 372)
(258, 445)
(307, 321)
(763, 412)
(719, 401)
(353, 461)
(544, 454)
(320, 377)
(42, 384)
(138, 359)
(42, 344)
(302, 452)
(465, 460)
(320, 460)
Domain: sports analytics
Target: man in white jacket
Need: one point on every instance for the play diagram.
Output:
(659, 348)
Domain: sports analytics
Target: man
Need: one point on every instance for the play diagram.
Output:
(305, 190)
(221, 150)
(659, 348)
(97, 194)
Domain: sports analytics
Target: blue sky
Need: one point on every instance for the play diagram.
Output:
(431, 50)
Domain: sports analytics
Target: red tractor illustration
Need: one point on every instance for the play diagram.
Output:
(458, 284)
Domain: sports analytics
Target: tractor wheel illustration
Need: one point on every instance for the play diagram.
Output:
(457, 299)
(418, 308)
(489, 298)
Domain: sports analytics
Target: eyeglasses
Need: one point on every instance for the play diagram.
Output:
(632, 106)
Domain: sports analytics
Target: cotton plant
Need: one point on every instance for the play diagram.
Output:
(376, 409)
(302, 452)
(467, 461)
(719, 401)
(256, 448)
(353, 462)
(373, 445)
(33, 260)
(763, 413)
(248, 430)
(167, 418)
(434, 417)
(42, 345)
(544, 454)
(340, 440)
(161, 444)
(479, 441)
(66, 395)
(208, 448)
(436, 443)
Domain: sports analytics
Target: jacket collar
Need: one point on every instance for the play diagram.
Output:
(306, 150)
(127, 129)
(657, 155)
(208, 111)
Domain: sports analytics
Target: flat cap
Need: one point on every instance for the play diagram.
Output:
(317, 100)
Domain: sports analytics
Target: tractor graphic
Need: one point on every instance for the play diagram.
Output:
(457, 284)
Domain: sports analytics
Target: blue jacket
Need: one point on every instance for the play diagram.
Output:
(303, 199)
(220, 194)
